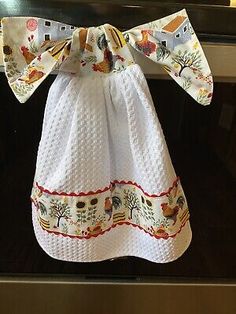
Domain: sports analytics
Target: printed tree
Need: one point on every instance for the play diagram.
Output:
(187, 59)
(147, 213)
(59, 210)
(131, 201)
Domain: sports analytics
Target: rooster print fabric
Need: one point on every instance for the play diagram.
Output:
(34, 47)
(86, 215)
(104, 183)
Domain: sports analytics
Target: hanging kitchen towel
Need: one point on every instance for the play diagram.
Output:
(104, 185)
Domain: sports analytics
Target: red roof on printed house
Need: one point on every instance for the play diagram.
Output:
(174, 24)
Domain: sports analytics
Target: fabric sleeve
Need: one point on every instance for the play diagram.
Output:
(172, 42)
(32, 49)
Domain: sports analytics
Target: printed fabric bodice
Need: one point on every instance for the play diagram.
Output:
(104, 183)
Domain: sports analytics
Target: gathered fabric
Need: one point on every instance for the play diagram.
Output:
(104, 184)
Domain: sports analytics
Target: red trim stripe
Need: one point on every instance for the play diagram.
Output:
(106, 189)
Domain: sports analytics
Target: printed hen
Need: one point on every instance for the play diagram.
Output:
(145, 45)
(170, 212)
(29, 56)
(108, 63)
(33, 76)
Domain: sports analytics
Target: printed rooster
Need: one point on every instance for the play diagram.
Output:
(108, 63)
(170, 212)
(108, 207)
(33, 76)
(145, 45)
(161, 232)
(29, 56)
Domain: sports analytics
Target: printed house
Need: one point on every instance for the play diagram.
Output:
(176, 32)
(51, 30)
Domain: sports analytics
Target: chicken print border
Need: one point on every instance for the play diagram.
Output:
(85, 215)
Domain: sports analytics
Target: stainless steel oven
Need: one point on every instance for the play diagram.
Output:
(202, 144)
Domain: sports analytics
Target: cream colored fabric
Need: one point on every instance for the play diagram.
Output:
(33, 47)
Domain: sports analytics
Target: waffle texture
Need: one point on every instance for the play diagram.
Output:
(99, 131)
(120, 241)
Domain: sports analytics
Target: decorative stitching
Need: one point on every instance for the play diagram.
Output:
(106, 189)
